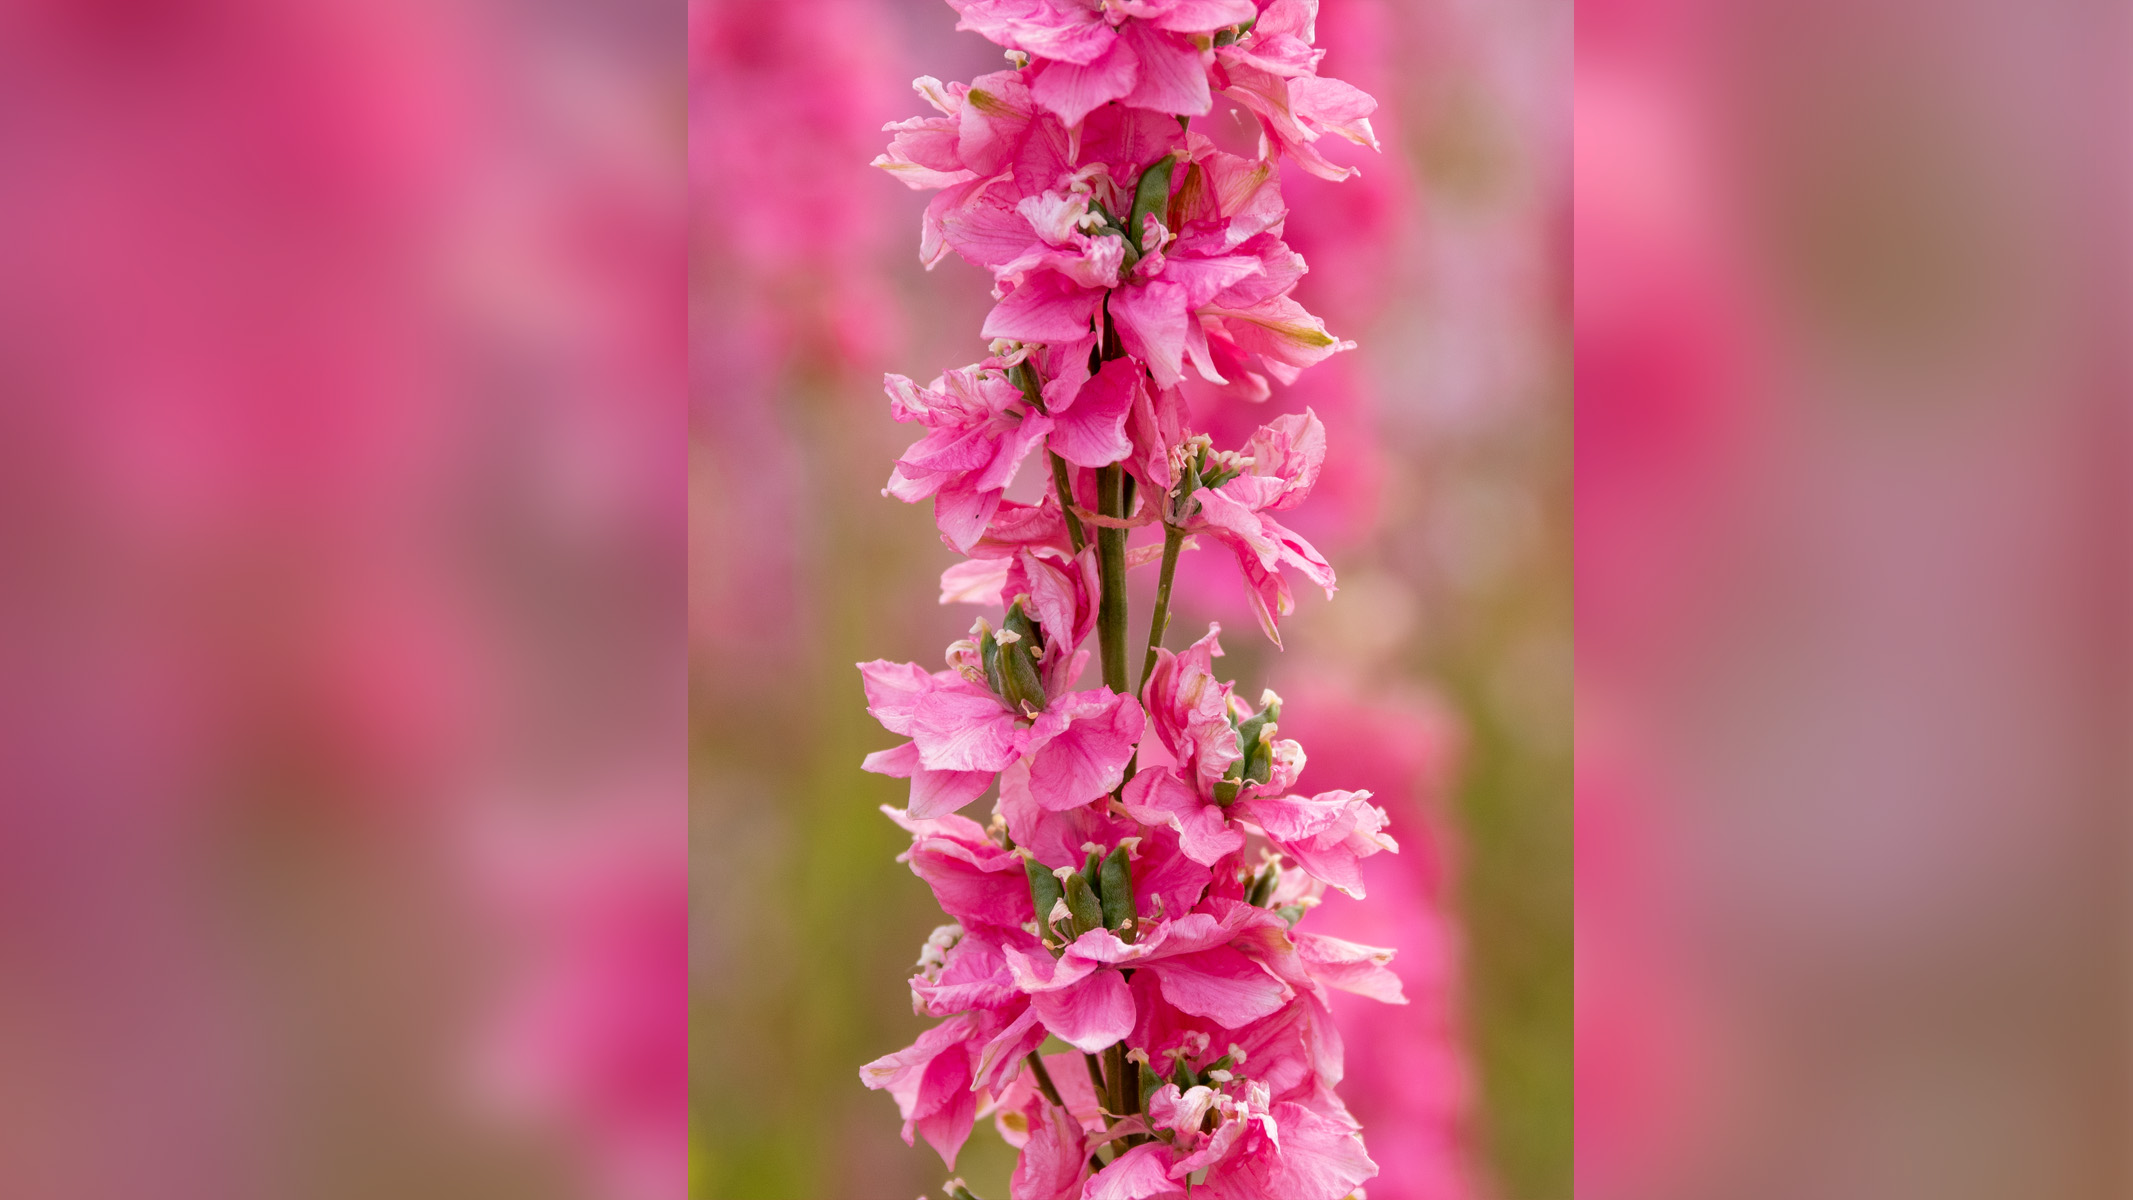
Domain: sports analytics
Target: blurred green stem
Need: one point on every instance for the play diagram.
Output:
(1159, 620)
(1111, 567)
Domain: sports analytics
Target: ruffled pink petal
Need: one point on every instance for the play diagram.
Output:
(1159, 797)
(994, 120)
(933, 793)
(893, 692)
(1054, 838)
(947, 1106)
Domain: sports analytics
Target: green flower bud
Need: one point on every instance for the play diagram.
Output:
(1092, 869)
(1263, 887)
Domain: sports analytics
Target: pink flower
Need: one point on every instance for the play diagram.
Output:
(1273, 71)
(1054, 1158)
(1203, 965)
(930, 1080)
(962, 734)
(1258, 1150)
(1285, 459)
(975, 880)
(978, 431)
(1140, 52)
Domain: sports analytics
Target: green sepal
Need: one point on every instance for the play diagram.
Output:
(1220, 1064)
(1182, 1075)
(1263, 887)
(1151, 1081)
(1116, 894)
(1292, 913)
(959, 1193)
(1092, 869)
(1226, 791)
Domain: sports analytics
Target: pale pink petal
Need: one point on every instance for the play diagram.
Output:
(994, 119)
(1335, 106)
(1005, 1051)
(974, 581)
(933, 793)
(1281, 331)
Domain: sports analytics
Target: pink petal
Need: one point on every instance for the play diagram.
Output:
(1142, 1173)
(974, 888)
(995, 118)
(1350, 966)
(1071, 90)
(1222, 985)
(1053, 1159)
(963, 729)
(947, 1105)
(1055, 838)
(1091, 1015)
(933, 793)
(1045, 308)
(1173, 76)
(1093, 432)
(893, 692)
(1159, 797)
(1080, 747)
(1206, 16)
(1151, 322)
(974, 581)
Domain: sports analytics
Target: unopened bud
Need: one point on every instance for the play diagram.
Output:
(1117, 894)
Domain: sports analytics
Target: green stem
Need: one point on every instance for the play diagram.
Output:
(1111, 567)
(1159, 620)
(1044, 1079)
(1065, 483)
(1115, 1077)
(1096, 1079)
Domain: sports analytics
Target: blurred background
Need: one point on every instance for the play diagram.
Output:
(1439, 677)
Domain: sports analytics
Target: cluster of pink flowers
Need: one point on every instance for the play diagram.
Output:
(1137, 893)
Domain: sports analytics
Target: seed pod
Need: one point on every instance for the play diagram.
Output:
(1150, 195)
(1092, 870)
(1044, 892)
(1017, 664)
(1082, 902)
(1117, 895)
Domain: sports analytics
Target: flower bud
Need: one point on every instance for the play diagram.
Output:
(1151, 197)
(1263, 887)
(1019, 644)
